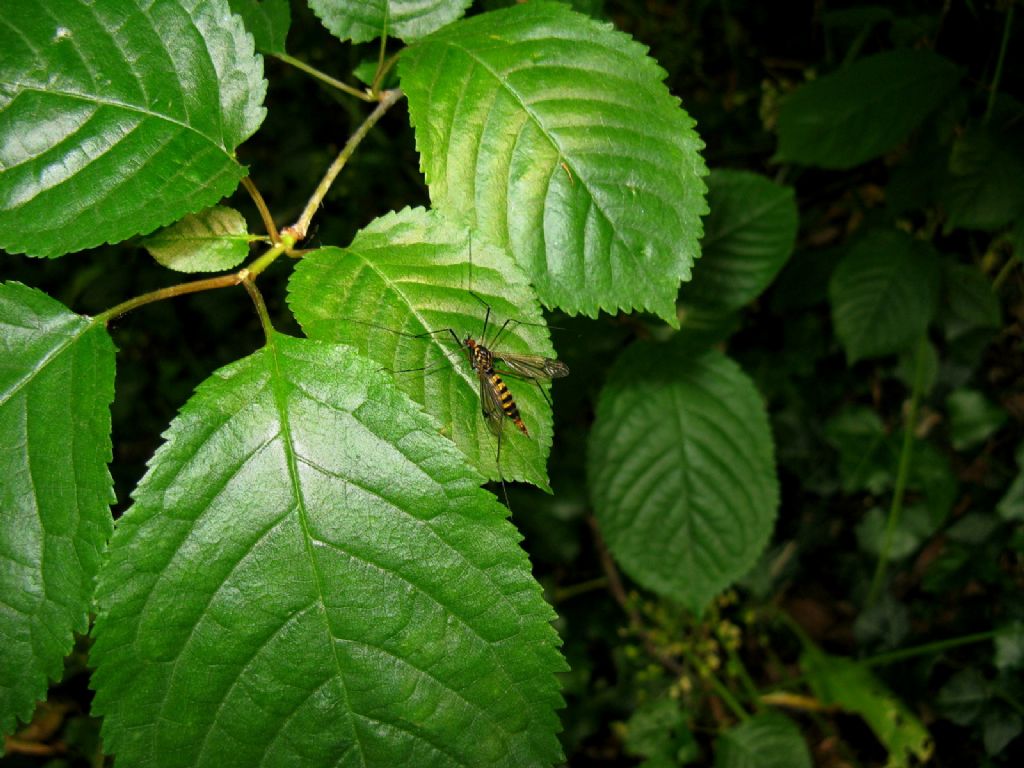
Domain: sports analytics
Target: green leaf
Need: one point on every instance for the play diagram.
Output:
(932, 476)
(681, 471)
(56, 385)
(409, 273)
(704, 325)
(999, 728)
(119, 117)
(914, 526)
(769, 740)
(969, 306)
(210, 241)
(1011, 506)
(972, 418)
(1010, 646)
(964, 697)
(556, 137)
(657, 730)
(974, 529)
(311, 576)
(907, 366)
(267, 20)
(849, 117)
(748, 236)
(865, 458)
(362, 20)
(883, 293)
(837, 681)
(983, 189)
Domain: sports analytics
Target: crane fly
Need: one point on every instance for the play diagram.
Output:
(496, 402)
(490, 361)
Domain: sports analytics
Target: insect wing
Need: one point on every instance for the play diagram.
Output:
(490, 404)
(534, 366)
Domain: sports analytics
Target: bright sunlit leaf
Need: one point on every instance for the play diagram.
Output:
(555, 135)
(119, 117)
(409, 273)
(310, 575)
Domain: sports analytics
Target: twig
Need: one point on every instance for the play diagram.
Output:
(261, 206)
(323, 77)
(300, 227)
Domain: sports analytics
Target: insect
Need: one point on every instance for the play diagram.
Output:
(496, 402)
(490, 362)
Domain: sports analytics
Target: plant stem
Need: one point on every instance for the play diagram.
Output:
(283, 241)
(723, 693)
(1004, 272)
(261, 206)
(896, 507)
(382, 71)
(323, 77)
(567, 593)
(265, 259)
(741, 670)
(207, 284)
(994, 90)
(261, 307)
(380, 55)
(300, 227)
(636, 623)
(618, 590)
(921, 650)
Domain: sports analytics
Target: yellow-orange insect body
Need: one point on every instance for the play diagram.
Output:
(491, 384)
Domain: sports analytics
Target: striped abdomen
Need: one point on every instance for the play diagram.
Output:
(483, 364)
(508, 403)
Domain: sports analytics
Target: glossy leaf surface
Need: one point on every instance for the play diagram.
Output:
(556, 136)
(119, 117)
(681, 471)
(208, 241)
(409, 273)
(311, 576)
(267, 20)
(362, 20)
(56, 385)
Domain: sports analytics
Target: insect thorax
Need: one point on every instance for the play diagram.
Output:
(480, 357)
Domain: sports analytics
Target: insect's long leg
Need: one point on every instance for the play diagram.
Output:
(546, 398)
(487, 315)
(426, 369)
(506, 326)
(423, 335)
(406, 334)
(511, 323)
(501, 476)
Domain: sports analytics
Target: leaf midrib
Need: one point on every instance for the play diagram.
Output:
(126, 106)
(504, 85)
(277, 380)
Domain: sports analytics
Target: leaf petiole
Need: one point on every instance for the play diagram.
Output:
(299, 228)
(324, 77)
